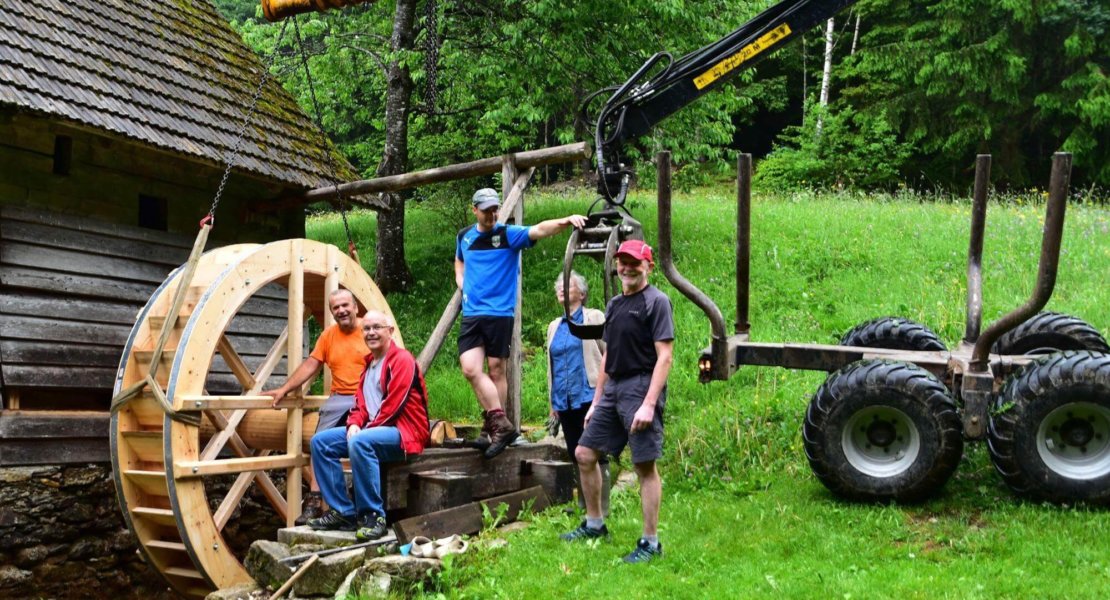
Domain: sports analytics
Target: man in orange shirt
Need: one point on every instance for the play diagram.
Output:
(341, 347)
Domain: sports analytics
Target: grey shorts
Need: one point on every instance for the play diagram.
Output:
(334, 411)
(608, 428)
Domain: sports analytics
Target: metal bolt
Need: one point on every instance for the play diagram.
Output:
(196, 469)
(215, 546)
(300, 259)
(248, 282)
(199, 403)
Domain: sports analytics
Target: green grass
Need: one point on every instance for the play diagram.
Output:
(742, 516)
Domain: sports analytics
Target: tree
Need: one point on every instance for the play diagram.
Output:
(1018, 79)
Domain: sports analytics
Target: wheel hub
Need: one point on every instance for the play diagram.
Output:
(881, 433)
(1074, 440)
(881, 441)
(1077, 432)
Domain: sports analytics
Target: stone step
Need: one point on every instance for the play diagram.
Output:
(304, 534)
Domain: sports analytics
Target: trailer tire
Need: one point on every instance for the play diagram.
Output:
(1049, 432)
(894, 333)
(881, 430)
(1048, 332)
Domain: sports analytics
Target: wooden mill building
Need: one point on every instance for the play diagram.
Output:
(116, 121)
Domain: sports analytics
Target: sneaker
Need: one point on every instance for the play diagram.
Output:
(585, 533)
(333, 521)
(644, 552)
(501, 435)
(371, 526)
(311, 508)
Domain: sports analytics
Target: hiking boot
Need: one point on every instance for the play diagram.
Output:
(333, 521)
(311, 508)
(644, 552)
(501, 434)
(482, 442)
(371, 526)
(582, 532)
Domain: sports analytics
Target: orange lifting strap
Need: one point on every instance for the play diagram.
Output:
(276, 10)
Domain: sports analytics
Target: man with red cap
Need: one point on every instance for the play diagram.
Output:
(631, 394)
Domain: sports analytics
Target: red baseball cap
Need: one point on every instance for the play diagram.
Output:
(636, 249)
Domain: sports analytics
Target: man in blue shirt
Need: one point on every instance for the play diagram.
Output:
(487, 264)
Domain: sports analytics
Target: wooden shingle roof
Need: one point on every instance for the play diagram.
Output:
(169, 73)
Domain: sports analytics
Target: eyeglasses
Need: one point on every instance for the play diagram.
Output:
(377, 327)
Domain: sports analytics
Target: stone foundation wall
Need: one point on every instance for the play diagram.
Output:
(62, 536)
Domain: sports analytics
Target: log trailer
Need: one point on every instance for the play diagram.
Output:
(890, 421)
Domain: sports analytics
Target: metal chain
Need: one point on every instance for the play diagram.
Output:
(233, 154)
(329, 160)
(431, 56)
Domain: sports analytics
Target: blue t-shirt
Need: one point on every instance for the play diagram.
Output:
(492, 267)
(570, 388)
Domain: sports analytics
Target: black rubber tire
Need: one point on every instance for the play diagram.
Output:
(1048, 332)
(894, 333)
(906, 393)
(1035, 414)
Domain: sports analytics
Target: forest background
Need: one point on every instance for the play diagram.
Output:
(915, 90)
(917, 87)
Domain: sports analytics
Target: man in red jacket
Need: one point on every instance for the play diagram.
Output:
(388, 422)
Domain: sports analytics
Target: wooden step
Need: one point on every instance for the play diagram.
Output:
(147, 445)
(146, 411)
(144, 357)
(158, 516)
(169, 546)
(150, 482)
(183, 572)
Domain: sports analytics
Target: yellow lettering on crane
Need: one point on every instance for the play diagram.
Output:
(746, 53)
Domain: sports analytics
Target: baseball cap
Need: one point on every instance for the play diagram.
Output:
(485, 198)
(636, 249)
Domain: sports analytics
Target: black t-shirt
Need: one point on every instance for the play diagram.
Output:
(632, 326)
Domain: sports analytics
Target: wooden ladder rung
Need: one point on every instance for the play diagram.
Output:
(158, 516)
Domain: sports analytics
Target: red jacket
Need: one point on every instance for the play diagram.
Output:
(404, 401)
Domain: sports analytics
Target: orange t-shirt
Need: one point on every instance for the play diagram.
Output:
(343, 353)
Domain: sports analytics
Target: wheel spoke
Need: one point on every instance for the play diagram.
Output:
(273, 357)
(235, 362)
(227, 426)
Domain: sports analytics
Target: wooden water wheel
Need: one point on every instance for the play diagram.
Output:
(161, 465)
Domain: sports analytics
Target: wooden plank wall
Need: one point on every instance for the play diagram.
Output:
(70, 289)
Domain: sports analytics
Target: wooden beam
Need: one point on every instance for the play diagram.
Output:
(203, 468)
(485, 166)
(294, 354)
(513, 365)
(194, 403)
(467, 518)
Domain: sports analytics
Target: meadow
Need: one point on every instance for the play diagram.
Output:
(742, 514)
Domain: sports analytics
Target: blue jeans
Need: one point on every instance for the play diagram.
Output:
(367, 449)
